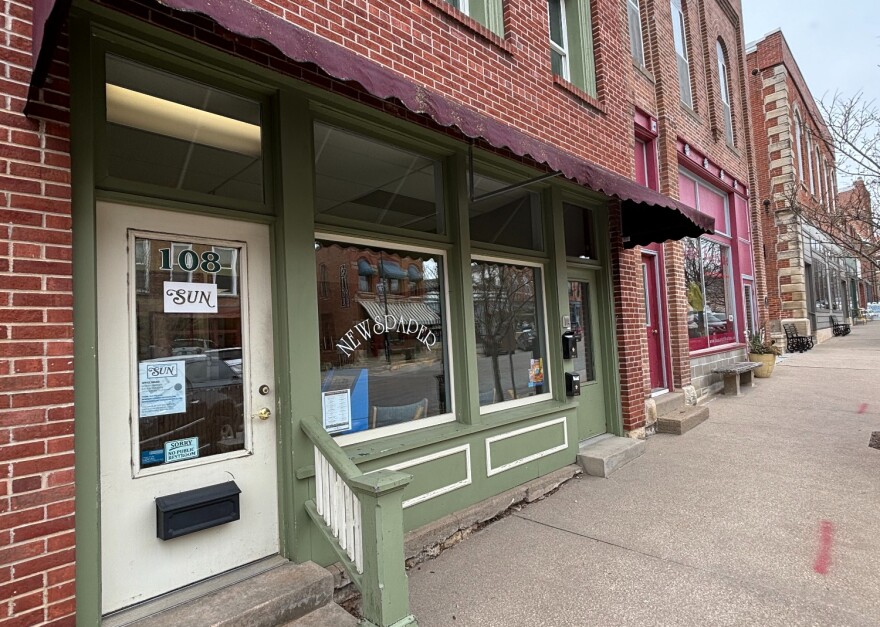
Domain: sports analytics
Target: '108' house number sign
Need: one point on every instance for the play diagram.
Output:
(185, 297)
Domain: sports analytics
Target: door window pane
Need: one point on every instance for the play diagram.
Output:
(167, 130)
(190, 400)
(511, 357)
(511, 218)
(383, 346)
(578, 232)
(582, 327)
(359, 178)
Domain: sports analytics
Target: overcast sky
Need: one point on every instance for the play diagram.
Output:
(836, 44)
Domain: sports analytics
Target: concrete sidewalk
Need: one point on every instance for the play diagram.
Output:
(767, 514)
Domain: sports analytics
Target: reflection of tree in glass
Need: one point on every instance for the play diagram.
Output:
(713, 277)
(504, 297)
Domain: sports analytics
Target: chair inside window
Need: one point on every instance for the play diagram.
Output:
(385, 416)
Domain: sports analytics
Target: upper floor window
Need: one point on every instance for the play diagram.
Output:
(571, 43)
(489, 13)
(636, 44)
(798, 132)
(809, 161)
(679, 35)
(724, 91)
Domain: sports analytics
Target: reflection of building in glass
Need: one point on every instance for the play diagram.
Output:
(163, 334)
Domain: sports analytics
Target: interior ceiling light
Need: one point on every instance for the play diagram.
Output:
(163, 117)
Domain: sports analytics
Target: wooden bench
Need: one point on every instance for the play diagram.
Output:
(839, 328)
(736, 375)
(796, 343)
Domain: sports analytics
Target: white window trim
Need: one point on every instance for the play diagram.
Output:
(548, 381)
(562, 50)
(422, 423)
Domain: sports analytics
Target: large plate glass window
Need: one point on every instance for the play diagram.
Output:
(384, 356)
(359, 178)
(172, 132)
(509, 319)
(710, 314)
(188, 312)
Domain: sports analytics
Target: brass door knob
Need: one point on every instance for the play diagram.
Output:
(264, 413)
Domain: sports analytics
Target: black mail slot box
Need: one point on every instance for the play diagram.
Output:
(194, 510)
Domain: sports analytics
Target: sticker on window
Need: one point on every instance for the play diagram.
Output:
(190, 297)
(536, 372)
(179, 450)
(162, 388)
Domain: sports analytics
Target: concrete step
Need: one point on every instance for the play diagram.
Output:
(683, 420)
(328, 616)
(669, 402)
(601, 456)
(272, 598)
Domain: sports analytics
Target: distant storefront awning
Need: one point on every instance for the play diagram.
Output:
(414, 274)
(419, 312)
(364, 268)
(648, 216)
(391, 270)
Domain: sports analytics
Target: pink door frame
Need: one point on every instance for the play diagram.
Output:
(658, 332)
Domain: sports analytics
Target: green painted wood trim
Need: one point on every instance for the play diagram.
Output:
(346, 562)
(334, 454)
(608, 332)
(461, 305)
(385, 589)
(85, 336)
(297, 322)
(368, 452)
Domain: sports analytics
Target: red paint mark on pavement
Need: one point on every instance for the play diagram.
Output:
(823, 555)
(863, 408)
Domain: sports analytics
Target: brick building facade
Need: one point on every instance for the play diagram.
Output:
(808, 277)
(505, 154)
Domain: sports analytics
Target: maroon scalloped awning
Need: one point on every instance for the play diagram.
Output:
(648, 216)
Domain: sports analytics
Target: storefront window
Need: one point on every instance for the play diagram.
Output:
(384, 358)
(169, 131)
(505, 218)
(836, 300)
(189, 351)
(820, 284)
(582, 327)
(511, 347)
(359, 178)
(710, 318)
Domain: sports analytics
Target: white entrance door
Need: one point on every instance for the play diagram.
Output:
(187, 396)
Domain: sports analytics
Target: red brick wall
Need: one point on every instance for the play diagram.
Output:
(772, 55)
(36, 349)
(656, 91)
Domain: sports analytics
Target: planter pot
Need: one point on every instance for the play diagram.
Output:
(767, 363)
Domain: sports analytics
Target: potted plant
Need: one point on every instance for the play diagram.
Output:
(764, 352)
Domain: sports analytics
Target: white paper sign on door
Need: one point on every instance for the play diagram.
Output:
(190, 297)
(162, 388)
